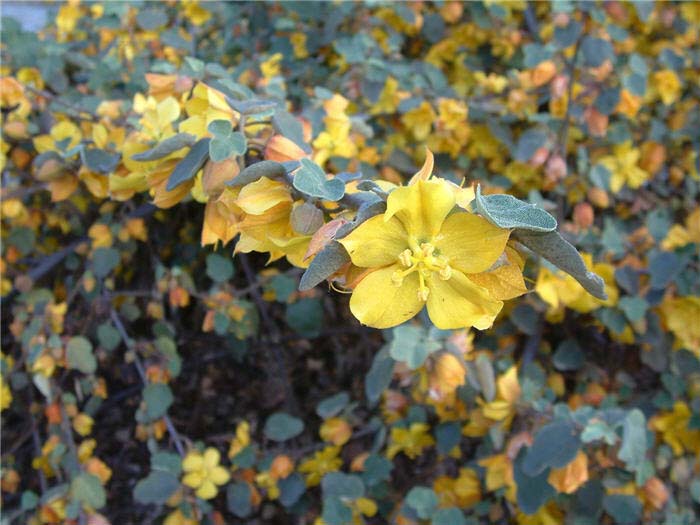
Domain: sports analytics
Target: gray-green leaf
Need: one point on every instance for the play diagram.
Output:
(311, 180)
(558, 251)
(165, 148)
(188, 167)
(326, 262)
(505, 211)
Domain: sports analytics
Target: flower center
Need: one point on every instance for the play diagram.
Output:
(425, 259)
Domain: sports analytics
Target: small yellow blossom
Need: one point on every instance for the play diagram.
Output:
(667, 85)
(674, 429)
(322, 462)
(82, 424)
(682, 315)
(411, 441)
(623, 167)
(203, 472)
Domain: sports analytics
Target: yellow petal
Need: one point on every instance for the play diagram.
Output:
(193, 461)
(459, 303)
(427, 170)
(219, 475)
(211, 457)
(376, 242)
(506, 281)
(378, 302)
(421, 207)
(470, 243)
(509, 386)
(258, 197)
(193, 479)
(207, 490)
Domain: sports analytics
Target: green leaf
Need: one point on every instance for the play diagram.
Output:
(151, 18)
(568, 356)
(625, 510)
(221, 128)
(29, 500)
(449, 516)
(486, 377)
(188, 167)
(306, 219)
(219, 268)
(99, 160)
(596, 430)
(108, 336)
(326, 262)
(411, 345)
(311, 180)
(423, 500)
(336, 512)
(79, 355)
(220, 149)
(254, 172)
(104, 260)
(532, 491)
(379, 375)
(555, 249)
(288, 126)
(332, 406)
(165, 148)
(158, 398)
(634, 440)
(528, 143)
(634, 308)
(555, 445)
(342, 485)
(505, 211)
(238, 499)
(156, 488)
(376, 469)
(88, 490)
(291, 489)
(305, 316)
(281, 427)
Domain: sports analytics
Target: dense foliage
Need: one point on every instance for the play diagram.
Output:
(333, 263)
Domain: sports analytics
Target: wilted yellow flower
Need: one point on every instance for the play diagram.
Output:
(447, 375)
(203, 473)
(320, 464)
(242, 439)
(421, 255)
(411, 441)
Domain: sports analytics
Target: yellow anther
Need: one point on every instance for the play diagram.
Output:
(405, 258)
(445, 273)
(423, 293)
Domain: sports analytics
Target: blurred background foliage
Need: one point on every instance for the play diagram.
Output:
(149, 379)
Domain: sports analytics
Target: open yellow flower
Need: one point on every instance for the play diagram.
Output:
(203, 472)
(422, 255)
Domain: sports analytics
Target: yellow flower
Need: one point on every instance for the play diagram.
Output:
(335, 140)
(419, 120)
(411, 441)
(667, 85)
(203, 472)
(678, 236)
(322, 462)
(195, 13)
(82, 424)
(298, 41)
(673, 427)
(452, 113)
(558, 289)
(463, 491)
(421, 256)
(682, 315)
(623, 167)
(508, 389)
(5, 394)
(242, 439)
(447, 375)
(271, 67)
(336, 430)
(569, 478)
